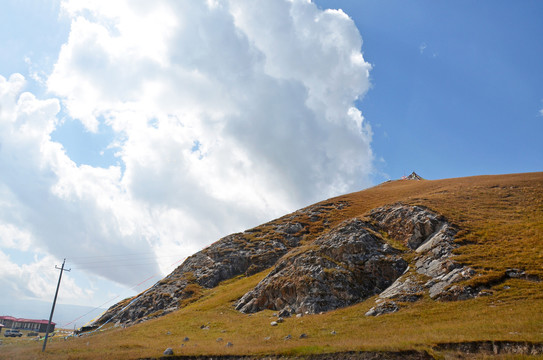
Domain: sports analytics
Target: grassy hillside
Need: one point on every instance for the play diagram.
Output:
(501, 227)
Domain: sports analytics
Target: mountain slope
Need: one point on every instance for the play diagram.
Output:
(302, 232)
(490, 235)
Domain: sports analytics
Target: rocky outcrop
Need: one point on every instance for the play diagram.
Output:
(317, 268)
(244, 253)
(411, 225)
(353, 262)
(229, 257)
(342, 267)
(432, 238)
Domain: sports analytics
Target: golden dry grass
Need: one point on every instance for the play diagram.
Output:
(501, 222)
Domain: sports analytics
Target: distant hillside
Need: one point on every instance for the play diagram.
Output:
(437, 266)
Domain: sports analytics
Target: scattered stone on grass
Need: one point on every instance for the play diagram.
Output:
(383, 308)
(168, 351)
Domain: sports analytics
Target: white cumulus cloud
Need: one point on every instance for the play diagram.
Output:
(226, 114)
(37, 280)
(50, 204)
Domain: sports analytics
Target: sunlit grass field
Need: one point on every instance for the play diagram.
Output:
(501, 227)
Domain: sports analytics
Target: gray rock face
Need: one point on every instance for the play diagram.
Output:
(229, 257)
(409, 224)
(432, 238)
(245, 253)
(341, 267)
(345, 266)
(353, 262)
(404, 289)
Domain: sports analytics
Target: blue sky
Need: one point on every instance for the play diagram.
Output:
(456, 87)
(134, 134)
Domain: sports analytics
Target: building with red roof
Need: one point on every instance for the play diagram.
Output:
(26, 324)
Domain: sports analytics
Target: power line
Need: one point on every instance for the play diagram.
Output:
(107, 263)
(117, 296)
(112, 265)
(138, 254)
(109, 255)
(108, 301)
(127, 259)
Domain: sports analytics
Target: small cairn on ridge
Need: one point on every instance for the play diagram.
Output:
(413, 176)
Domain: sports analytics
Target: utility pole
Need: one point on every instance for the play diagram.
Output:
(54, 302)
